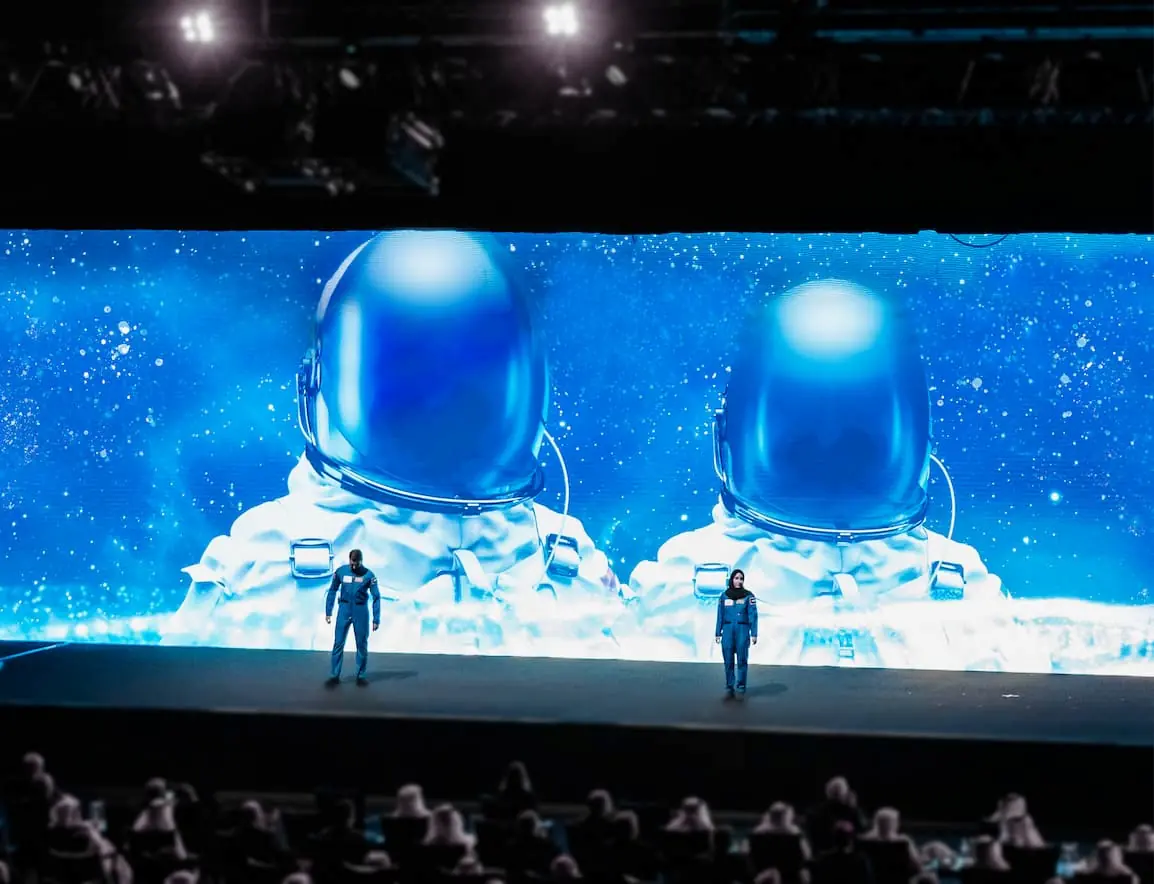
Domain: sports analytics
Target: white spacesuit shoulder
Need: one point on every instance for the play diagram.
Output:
(270, 516)
(700, 545)
(266, 534)
(228, 554)
(677, 562)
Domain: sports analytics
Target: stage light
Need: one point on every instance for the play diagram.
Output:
(349, 79)
(198, 28)
(561, 20)
(414, 148)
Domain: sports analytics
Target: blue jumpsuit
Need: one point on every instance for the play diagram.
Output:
(736, 625)
(353, 590)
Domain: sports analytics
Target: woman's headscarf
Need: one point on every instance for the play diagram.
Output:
(730, 590)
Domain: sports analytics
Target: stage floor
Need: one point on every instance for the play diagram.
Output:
(263, 720)
(1103, 711)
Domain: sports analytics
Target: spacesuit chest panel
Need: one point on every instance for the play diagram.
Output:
(709, 581)
(736, 611)
(563, 554)
(948, 581)
(311, 558)
(352, 588)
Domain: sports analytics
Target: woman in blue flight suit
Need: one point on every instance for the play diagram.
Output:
(736, 628)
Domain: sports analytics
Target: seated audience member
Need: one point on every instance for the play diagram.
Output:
(1010, 806)
(988, 866)
(71, 836)
(626, 854)
(886, 826)
(183, 876)
(156, 789)
(589, 836)
(1107, 862)
(28, 796)
(988, 855)
(446, 841)
(340, 841)
(29, 818)
(767, 876)
(594, 827)
(886, 829)
(68, 832)
(692, 816)
(840, 805)
(564, 868)
(841, 862)
(1020, 831)
(256, 838)
(155, 830)
(1141, 840)
(514, 794)
(411, 803)
(1140, 853)
(778, 843)
(530, 848)
(32, 765)
(154, 844)
(780, 819)
(689, 843)
(191, 816)
(43, 789)
(447, 829)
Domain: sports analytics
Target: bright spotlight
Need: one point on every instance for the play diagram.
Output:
(561, 20)
(198, 28)
(349, 79)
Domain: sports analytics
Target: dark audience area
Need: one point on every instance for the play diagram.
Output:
(167, 833)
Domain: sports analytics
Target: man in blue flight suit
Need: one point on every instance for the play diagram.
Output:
(736, 628)
(354, 583)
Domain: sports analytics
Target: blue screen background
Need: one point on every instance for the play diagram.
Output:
(147, 393)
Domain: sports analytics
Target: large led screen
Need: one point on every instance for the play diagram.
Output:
(923, 451)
